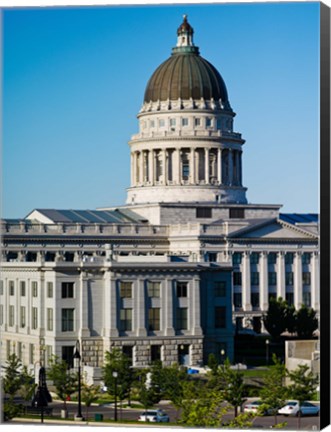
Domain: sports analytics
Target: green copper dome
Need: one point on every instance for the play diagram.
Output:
(186, 74)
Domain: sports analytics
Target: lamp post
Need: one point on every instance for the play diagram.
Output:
(267, 342)
(77, 360)
(222, 356)
(115, 375)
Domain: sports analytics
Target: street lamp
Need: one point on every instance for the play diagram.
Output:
(77, 360)
(267, 342)
(115, 375)
(222, 355)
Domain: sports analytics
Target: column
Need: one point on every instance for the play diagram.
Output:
(240, 168)
(132, 169)
(230, 167)
(176, 166)
(83, 305)
(207, 165)
(134, 172)
(164, 166)
(110, 306)
(192, 166)
(237, 180)
(315, 287)
(264, 300)
(141, 170)
(298, 280)
(151, 166)
(194, 307)
(219, 165)
(167, 303)
(246, 282)
(281, 284)
(140, 305)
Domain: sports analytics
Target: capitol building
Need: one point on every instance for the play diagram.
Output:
(186, 262)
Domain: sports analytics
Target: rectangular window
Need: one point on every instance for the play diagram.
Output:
(1, 314)
(254, 258)
(184, 121)
(161, 123)
(272, 278)
(306, 258)
(19, 350)
(289, 258)
(255, 278)
(306, 298)
(34, 318)
(237, 278)
(197, 121)
(306, 278)
(31, 353)
(219, 289)
(1, 287)
(11, 288)
(272, 258)
(289, 278)
(220, 317)
(236, 258)
(155, 353)
(237, 301)
(11, 316)
(181, 319)
(219, 124)
(49, 289)
(49, 319)
(181, 289)
(22, 288)
(151, 123)
(22, 317)
(185, 168)
(34, 287)
(68, 289)
(255, 299)
(212, 257)
(208, 121)
(68, 354)
(153, 289)
(125, 319)
(154, 319)
(126, 289)
(237, 213)
(172, 122)
(289, 297)
(204, 212)
(67, 320)
(8, 348)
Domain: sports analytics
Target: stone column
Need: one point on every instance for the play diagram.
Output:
(207, 165)
(176, 166)
(315, 287)
(83, 305)
(167, 301)
(240, 169)
(132, 168)
(264, 301)
(194, 307)
(192, 166)
(298, 280)
(151, 166)
(140, 308)
(219, 165)
(141, 170)
(237, 181)
(230, 167)
(164, 166)
(110, 306)
(281, 283)
(246, 285)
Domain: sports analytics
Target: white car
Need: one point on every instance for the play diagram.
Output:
(154, 416)
(292, 409)
(252, 407)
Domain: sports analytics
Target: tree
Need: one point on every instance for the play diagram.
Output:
(12, 382)
(303, 386)
(90, 394)
(306, 322)
(64, 381)
(148, 394)
(275, 319)
(232, 383)
(290, 318)
(273, 393)
(212, 363)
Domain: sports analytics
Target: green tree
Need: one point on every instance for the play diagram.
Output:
(212, 363)
(90, 394)
(12, 382)
(273, 393)
(306, 322)
(275, 319)
(148, 394)
(232, 384)
(303, 385)
(290, 318)
(63, 380)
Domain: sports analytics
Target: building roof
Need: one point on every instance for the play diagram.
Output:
(295, 218)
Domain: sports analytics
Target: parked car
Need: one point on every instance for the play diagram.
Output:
(292, 409)
(253, 407)
(155, 416)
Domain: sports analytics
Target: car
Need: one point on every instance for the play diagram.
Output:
(292, 409)
(253, 407)
(155, 416)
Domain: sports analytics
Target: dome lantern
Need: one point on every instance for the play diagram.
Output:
(185, 34)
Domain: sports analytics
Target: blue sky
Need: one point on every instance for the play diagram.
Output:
(74, 80)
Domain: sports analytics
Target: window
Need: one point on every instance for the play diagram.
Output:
(19, 350)
(153, 289)
(289, 297)
(1, 314)
(219, 123)
(289, 278)
(255, 299)
(11, 288)
(67, 320)
(204, 212)
(306, 258)
(306, 298)
(212, 256)
(236, 258)
(172, 122)
(184, 121)
(154, 319)
(197, 121)
(306, 278)
(11, 320)
(127, 350)
(181, 289)
(31, 353)
(151, 123)
(34, 318)
(255, 278)
(22, 317)
(22, 286)
(126, 289)
(289, 258)
(67, 289)
(237, 213)
(49, 319)
(272, 278)
(1, 287)
(219, 289)
(185, 167)
(126, 319)
(161, 123)
(237, 278)
(272, 258)
(254, 258)
(155, 353)
(208, 121)
(237, 301)
(34, 287)
(220, 317)
(49, 289)
(68, 355)
(181, 319)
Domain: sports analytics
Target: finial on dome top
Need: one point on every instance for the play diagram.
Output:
(185, 34)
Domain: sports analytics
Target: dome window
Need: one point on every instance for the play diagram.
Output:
(197, 122)
(152, 123)
(219, 124)
(185, 122)
(208, 122)
(161, 123)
